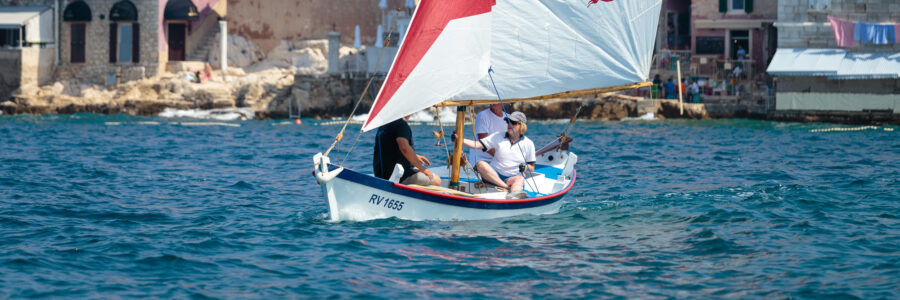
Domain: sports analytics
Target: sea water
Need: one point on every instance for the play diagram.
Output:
(95, 206)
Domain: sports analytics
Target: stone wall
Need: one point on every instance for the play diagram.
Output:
(96, 66)
(267, 22)
(11, 72)
(37, 66)
(709, 9)
(799, 26)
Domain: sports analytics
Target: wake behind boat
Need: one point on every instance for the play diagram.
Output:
(469, 52)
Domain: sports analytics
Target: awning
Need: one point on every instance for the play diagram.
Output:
(834, 63)
(731, 23)
(869, 66)
(806, 62)
(13, 17)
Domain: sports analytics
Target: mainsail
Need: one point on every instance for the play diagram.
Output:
(535, 48)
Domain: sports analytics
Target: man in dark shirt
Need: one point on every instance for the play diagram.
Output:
(394, 145)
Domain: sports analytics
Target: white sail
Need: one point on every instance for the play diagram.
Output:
(546, 47)
(535, 47)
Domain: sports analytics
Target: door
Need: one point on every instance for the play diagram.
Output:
(177, 41)
(78, 31)
(740, 44)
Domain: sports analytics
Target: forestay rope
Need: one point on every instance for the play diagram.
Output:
(340, 135)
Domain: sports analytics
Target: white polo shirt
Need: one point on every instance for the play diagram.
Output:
(509, 156)
(486, 122)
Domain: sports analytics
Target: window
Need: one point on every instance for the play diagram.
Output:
(9, 37)
(737, 4)
(819, 4)
(710, 45)
(125, 41)
(124, 33)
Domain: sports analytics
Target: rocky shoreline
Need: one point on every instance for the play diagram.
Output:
(291, 80)
(266, 96)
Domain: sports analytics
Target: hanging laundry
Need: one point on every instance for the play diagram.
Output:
(897, 33)
(863, 32)
(843, 32)
(883, 34)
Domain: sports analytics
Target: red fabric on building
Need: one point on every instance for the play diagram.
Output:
(843, 31)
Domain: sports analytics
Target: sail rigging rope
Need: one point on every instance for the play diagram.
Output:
(437, 117)
(535, 188)
(355, 141)
(473, 118)
(468, 165)
(565, 132)
(340, 135)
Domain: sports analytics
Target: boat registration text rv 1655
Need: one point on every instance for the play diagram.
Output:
(384, 201)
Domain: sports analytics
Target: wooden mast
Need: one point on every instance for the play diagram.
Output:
(457, 148)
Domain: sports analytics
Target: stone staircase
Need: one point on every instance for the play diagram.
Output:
(201, 53)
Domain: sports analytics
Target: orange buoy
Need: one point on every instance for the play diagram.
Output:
(298, 122)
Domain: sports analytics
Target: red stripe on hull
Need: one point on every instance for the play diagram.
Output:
(431, 17)
(433, 193)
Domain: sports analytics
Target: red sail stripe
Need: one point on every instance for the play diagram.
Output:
(432, 16)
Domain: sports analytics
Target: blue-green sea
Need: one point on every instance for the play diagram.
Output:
(95, 206)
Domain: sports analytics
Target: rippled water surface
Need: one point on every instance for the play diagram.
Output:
(120, 206)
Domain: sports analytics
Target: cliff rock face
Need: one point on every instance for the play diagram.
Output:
(602, 107)
(322, 97)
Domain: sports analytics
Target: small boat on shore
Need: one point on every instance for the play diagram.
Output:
(472, 52)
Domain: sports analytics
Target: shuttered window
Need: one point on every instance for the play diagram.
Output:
(726, 6)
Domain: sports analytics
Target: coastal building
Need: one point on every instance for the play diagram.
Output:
(109, 41)
(722, 45)
(734, 30)
(27, 46)
(717, 35)
(104, 41)
(268, 22)
(825, 63)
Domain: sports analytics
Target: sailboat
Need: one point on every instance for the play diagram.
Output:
(472, 52)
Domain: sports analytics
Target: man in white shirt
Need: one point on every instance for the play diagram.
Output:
(514, 155)
(487, 122)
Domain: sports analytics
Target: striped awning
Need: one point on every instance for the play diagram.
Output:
(835, 64)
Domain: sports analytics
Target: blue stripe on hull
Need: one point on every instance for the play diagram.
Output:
(389, 187)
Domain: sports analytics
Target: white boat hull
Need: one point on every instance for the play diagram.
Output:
(358, 197)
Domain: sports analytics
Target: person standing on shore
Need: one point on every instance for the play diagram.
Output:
(670, 88)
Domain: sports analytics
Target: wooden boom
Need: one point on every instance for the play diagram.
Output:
(568, 94)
